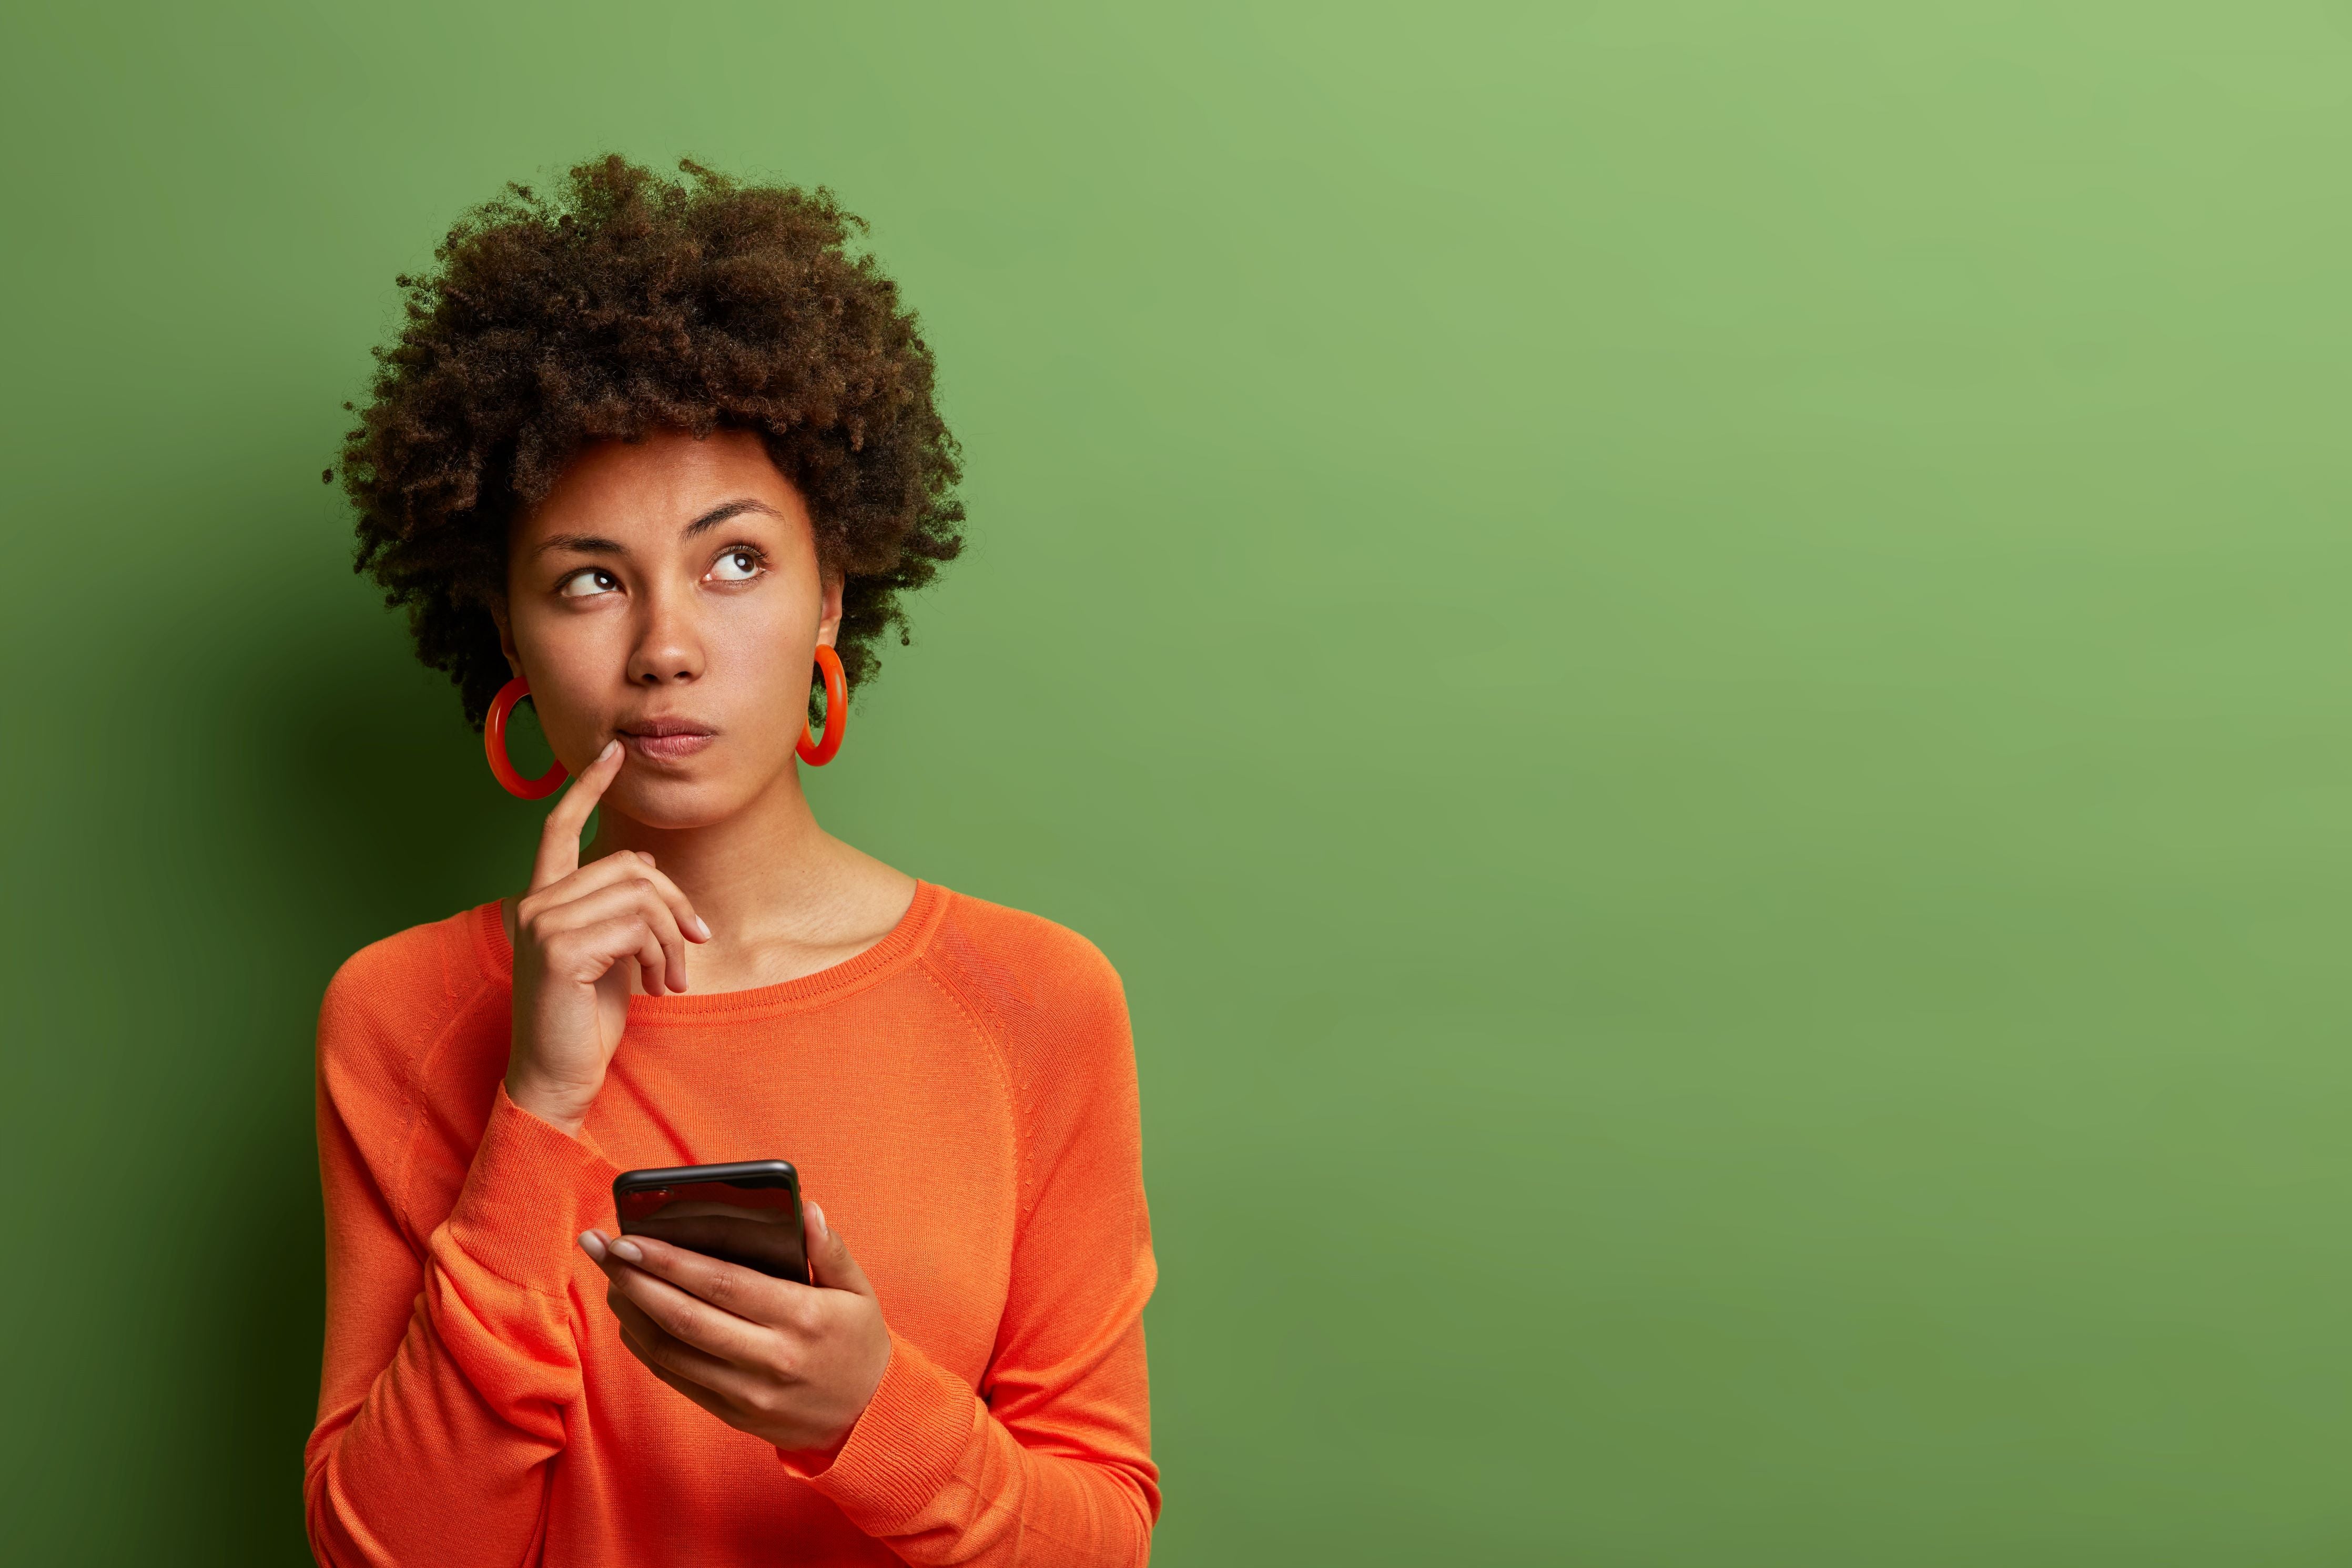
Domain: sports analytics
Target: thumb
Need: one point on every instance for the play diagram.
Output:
(830, 1264)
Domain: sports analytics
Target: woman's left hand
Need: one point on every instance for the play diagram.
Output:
(792, 1365)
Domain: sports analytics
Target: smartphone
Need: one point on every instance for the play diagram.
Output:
(748, 1213)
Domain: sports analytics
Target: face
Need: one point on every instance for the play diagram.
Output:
(667, 592)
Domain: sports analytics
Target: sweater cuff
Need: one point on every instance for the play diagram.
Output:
(531, 1192)
(904, 1448)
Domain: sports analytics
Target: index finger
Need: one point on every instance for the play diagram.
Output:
(559, 840)
(732, 1289)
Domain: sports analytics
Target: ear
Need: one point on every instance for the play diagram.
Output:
(828, 615)
(505, 636)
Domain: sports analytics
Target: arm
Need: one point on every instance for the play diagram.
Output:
(1056, 1473)
(1051, 1463)
(447, 1366)
(451, 1357)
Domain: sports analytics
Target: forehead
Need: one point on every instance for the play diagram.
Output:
(659, 485)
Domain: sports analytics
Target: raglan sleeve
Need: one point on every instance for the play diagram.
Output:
(1049, 1462)
(451, 1355)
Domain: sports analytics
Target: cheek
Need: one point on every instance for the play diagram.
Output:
(575, 664)
(763, 668)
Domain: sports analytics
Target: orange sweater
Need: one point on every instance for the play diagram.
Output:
(960, 1099)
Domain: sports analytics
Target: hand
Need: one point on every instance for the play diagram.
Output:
(583, 933)
(795, 1365)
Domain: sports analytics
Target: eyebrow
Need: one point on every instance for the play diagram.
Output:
(724, 510)
(596, 544)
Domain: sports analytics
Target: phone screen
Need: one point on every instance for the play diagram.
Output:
(757, 1227)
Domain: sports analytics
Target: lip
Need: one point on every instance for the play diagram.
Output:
(666, 739)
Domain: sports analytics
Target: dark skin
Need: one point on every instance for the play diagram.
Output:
(792, 1365)
(665, 601)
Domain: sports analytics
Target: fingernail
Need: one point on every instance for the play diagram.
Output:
(629, 1251)
(610, 746)
(816, 1213)
(702, 927)
(593, 1244)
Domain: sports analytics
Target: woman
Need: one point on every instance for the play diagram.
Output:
(659, 454)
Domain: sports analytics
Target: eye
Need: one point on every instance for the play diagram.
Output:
(741, 564)
(587, 582)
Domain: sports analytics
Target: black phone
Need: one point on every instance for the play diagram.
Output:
(747, 1213)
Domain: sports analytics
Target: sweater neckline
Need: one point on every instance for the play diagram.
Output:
(898, 947)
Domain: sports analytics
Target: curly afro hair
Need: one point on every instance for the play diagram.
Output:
(624, 304)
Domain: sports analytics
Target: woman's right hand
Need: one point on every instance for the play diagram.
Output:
(583, 933)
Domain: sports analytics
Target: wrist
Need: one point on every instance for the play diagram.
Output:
(811, 1459)
(562, 1107)
(881, 1369)
(818, 1458)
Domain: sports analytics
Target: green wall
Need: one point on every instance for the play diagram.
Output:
(1692, 653)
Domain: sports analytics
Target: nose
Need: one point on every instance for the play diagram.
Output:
(668, 650)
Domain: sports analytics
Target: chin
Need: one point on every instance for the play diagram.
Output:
(677, 805)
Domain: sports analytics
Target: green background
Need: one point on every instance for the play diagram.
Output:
(1692, 653)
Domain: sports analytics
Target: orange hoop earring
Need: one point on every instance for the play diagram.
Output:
(815, 752)
(494, 741)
